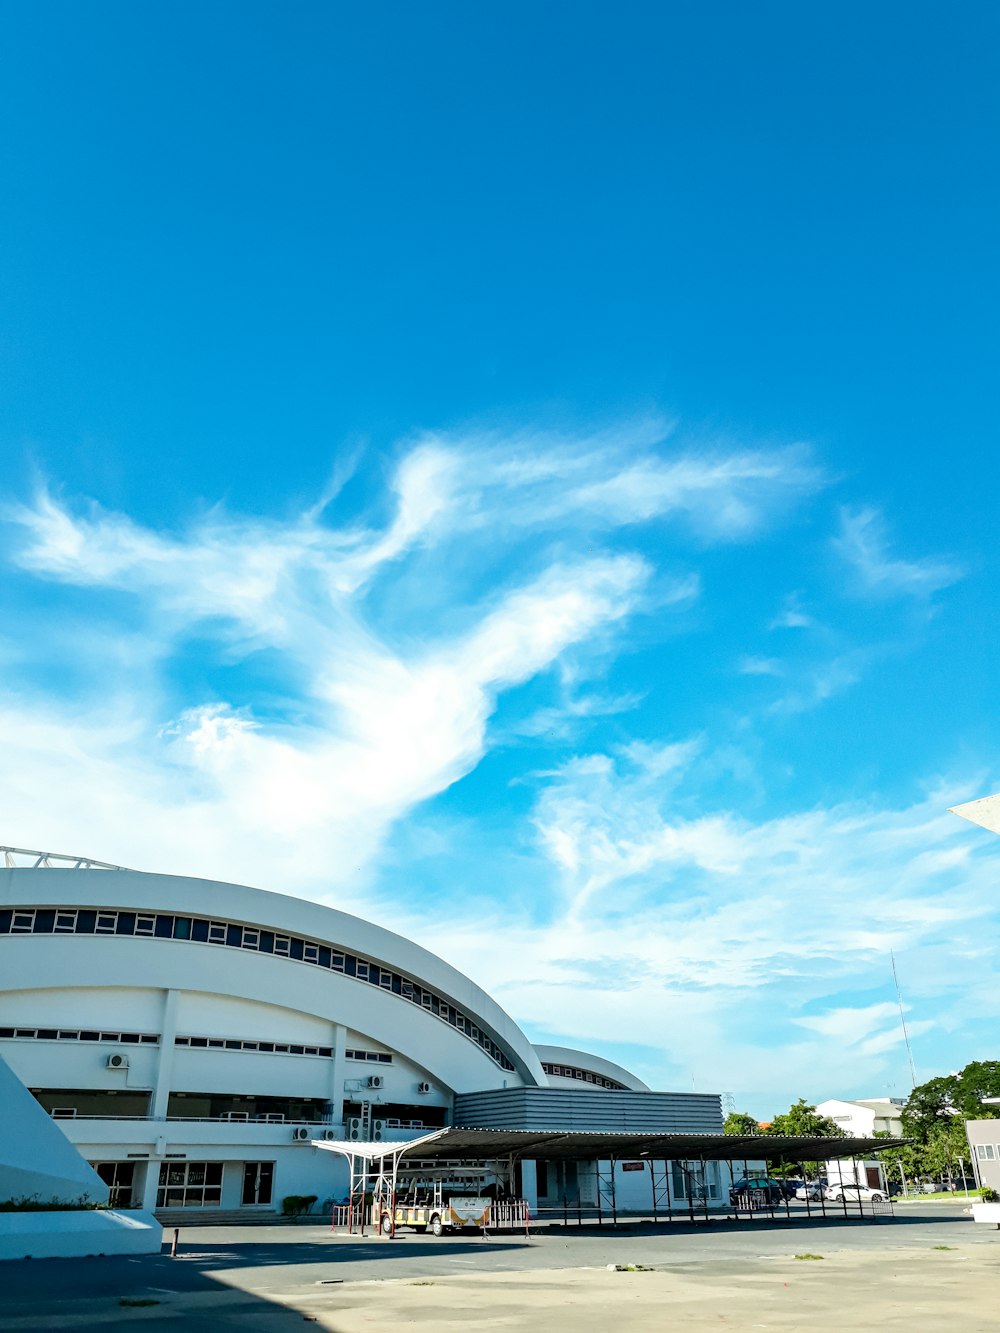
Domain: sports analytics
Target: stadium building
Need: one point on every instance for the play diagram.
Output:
(195, 1040)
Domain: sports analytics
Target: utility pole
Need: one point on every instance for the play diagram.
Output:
(902, 1019)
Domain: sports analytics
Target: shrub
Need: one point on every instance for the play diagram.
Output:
(989, 1195)
(33, 1204)
(294, 1205)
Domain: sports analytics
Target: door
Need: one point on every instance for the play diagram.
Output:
(258, 1180)
(872, 1178)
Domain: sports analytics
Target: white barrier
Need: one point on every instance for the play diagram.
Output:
(77, 1233)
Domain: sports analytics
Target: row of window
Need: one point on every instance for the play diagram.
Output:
(203, 1043)
(237, 1044)
(988, 1152)
(583, 1075)
(81, 1034)
(202, 930)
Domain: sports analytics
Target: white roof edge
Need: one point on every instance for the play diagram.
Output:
(370, 1151)
(985, 812)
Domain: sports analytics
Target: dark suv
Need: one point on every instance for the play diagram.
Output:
(761, 1189)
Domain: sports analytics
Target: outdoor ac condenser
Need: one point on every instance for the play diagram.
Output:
(376, 1081)
(117, 1062)
(300, 1134)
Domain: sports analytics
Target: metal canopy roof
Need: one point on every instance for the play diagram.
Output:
(448, 1145)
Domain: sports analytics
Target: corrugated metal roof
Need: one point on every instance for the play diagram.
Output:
(489, 1144)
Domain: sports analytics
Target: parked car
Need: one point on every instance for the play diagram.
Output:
(812, 1190)
(851, 1192)
(773, 1191)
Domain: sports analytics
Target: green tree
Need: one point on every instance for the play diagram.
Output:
(803, 1121)
(902, 1164)
(977, 1080)
(928, 1104)
(940, 1099)
(947, 1149)
(739, 1122)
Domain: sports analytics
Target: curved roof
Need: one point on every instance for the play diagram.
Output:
(45, 883)
(597, 1064)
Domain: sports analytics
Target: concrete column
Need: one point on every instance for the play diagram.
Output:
(529, 1184)
(338, 1073)
(165, 1063)
(150, 1184)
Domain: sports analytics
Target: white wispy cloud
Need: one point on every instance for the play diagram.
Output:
(791, 615)
(711, 932)
(366, 716)
(759, 666)
(863, 544)
(648, 911)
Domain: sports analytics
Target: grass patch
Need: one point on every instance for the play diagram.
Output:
(809, 1256)
(135, 1304)
(942, 1247)
(942, 1196)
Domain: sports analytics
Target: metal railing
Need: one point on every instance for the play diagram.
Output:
(23, 858)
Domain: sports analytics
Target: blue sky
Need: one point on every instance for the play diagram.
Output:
(524, 474)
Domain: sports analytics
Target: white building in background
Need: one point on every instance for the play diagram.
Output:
(867, 1116)
(191, 1038)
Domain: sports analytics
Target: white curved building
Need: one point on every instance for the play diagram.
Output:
(192, 1037)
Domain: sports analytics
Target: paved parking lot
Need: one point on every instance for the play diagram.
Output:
(929, 1262)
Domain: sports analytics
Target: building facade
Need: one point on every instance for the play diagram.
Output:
(866, 1117)
(193, 1038)
(984, 1149)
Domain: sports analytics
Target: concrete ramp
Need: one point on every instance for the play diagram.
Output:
(37, 1160)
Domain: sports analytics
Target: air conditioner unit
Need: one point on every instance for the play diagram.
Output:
(355, 1129)
(423, 1087)
(301, 1134)
(376, 1081)
(329, 1135)
(378, 1131)
(117, 1062)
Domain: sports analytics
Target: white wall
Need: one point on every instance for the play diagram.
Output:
(78, 1234)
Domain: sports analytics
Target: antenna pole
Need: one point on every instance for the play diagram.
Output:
(902, 1020)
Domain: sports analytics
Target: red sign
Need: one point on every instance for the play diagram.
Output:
(633, 1166)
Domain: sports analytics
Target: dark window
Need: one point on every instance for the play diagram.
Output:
(199, 930)
(182, 928)
(44, 921)
(234, 937)
(85, 922)
(164, 927)
(126, 923)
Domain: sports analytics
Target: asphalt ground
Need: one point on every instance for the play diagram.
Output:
(271, 1279)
